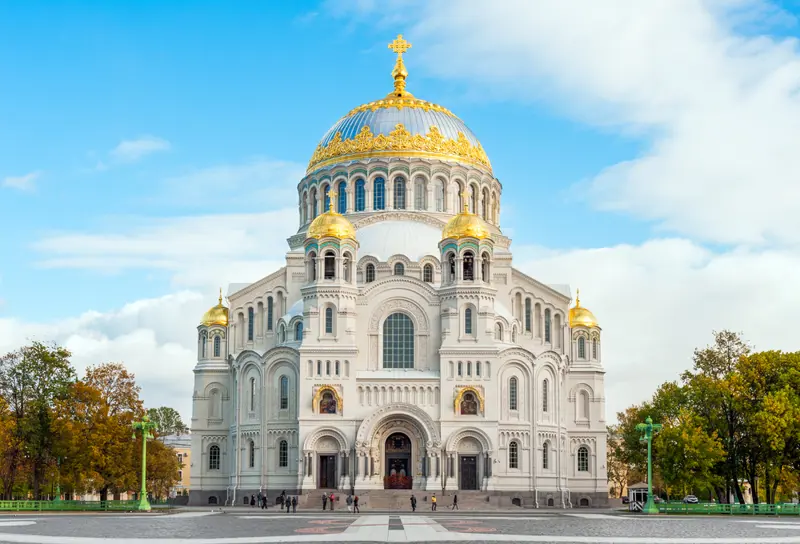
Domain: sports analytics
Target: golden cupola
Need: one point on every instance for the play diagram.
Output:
(331, 224)
(580, 316)
(217, 315)
(466, 224)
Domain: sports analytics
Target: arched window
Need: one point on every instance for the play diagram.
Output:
(304, 207)
(298, 332)
(469, 266)
(328, 320)
(419, 194)
(337, 369)
(399, 193)
(478, 368)
(269, 313)
(398, 341)
(326, 197)
(583, 459)
(451, 264)
(514, 335)
(284, 390)
(485, 267)
(212, 500)
(214, 406)
(314, 204)
(581, 348)
(341, 206)
(585, 404)
(361, 200)
(498, 332)
(330, 265)
(469, 368)
(469, 404)
(379, 194)
(544, 395)
(327, 404)
(312, 267)
(283, 454)
(547, 336)
(370, 273)
(513, 455)
(282, 333)
(527, 315)
(427, 273)
(217, 343)
(475, 194)
(328, 368)
(545, 452)
(213, 457)
(594, 348)
(399, 269)
(438, 194)
(468, 321)
(204, 341)
(252, 394)
(485, 207)
(346, 265)
(251, 323)
(251, 454)
(512, 394)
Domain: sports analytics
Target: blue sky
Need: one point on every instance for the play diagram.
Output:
(149, 153)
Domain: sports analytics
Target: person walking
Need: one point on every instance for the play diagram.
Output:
(324, 500)
(349, 502)
(252, 501)
(258, 499)
(413, 503)
(355, 505)
(455, 503)
(294, 505)
(331, 498)
(433, 503)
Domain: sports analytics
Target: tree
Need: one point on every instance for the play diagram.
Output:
(168, 421)
(162, 468)
(32, 380)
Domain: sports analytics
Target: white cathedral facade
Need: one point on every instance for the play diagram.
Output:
(399, 348)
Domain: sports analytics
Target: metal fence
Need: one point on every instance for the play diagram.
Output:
(41, 506)
(788, 509)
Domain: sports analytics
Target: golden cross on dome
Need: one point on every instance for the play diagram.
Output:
(331, 197)
(465, 201)
(400, 46)
(577, 297)
(220, 295)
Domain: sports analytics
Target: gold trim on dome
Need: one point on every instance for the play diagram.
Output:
(580, 316)
(392, 101)
(318, 396)
(460, 394)
(399, 142)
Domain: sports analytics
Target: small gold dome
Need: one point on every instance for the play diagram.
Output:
(466, 225)
(331, 224)
(580, 316)
(218, 315)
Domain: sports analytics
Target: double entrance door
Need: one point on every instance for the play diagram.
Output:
(327, 472)
(468, 472)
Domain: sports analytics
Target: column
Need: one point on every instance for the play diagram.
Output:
(389, 194)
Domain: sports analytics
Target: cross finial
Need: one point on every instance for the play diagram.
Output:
(400, 46)
(220, 295)
(331, 197)
(465, 201)
(578, 298)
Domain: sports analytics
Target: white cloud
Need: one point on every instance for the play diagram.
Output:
(133, 150)
(22, 183)
(201, 251)
(154, 338)
(720, 108)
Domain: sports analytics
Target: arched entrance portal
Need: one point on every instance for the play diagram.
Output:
(397, 449)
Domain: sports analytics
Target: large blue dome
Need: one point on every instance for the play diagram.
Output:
(399, 127)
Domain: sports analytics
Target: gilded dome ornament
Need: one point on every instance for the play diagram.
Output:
(217, 315)
(466, 224)
(331, 224)
(421, 129)
(580, 316)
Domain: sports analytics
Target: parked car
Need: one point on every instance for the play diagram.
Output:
(690, 499)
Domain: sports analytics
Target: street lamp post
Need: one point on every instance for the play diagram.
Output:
(146, 426)
(58, 480)
(647, 429)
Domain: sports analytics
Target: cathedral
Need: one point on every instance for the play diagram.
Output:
(399, 348)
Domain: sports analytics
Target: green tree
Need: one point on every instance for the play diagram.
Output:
(32, 380)
(168, 421)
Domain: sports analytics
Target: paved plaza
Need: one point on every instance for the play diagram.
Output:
(245, 527)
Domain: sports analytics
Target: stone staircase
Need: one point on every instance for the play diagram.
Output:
(399, 500)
